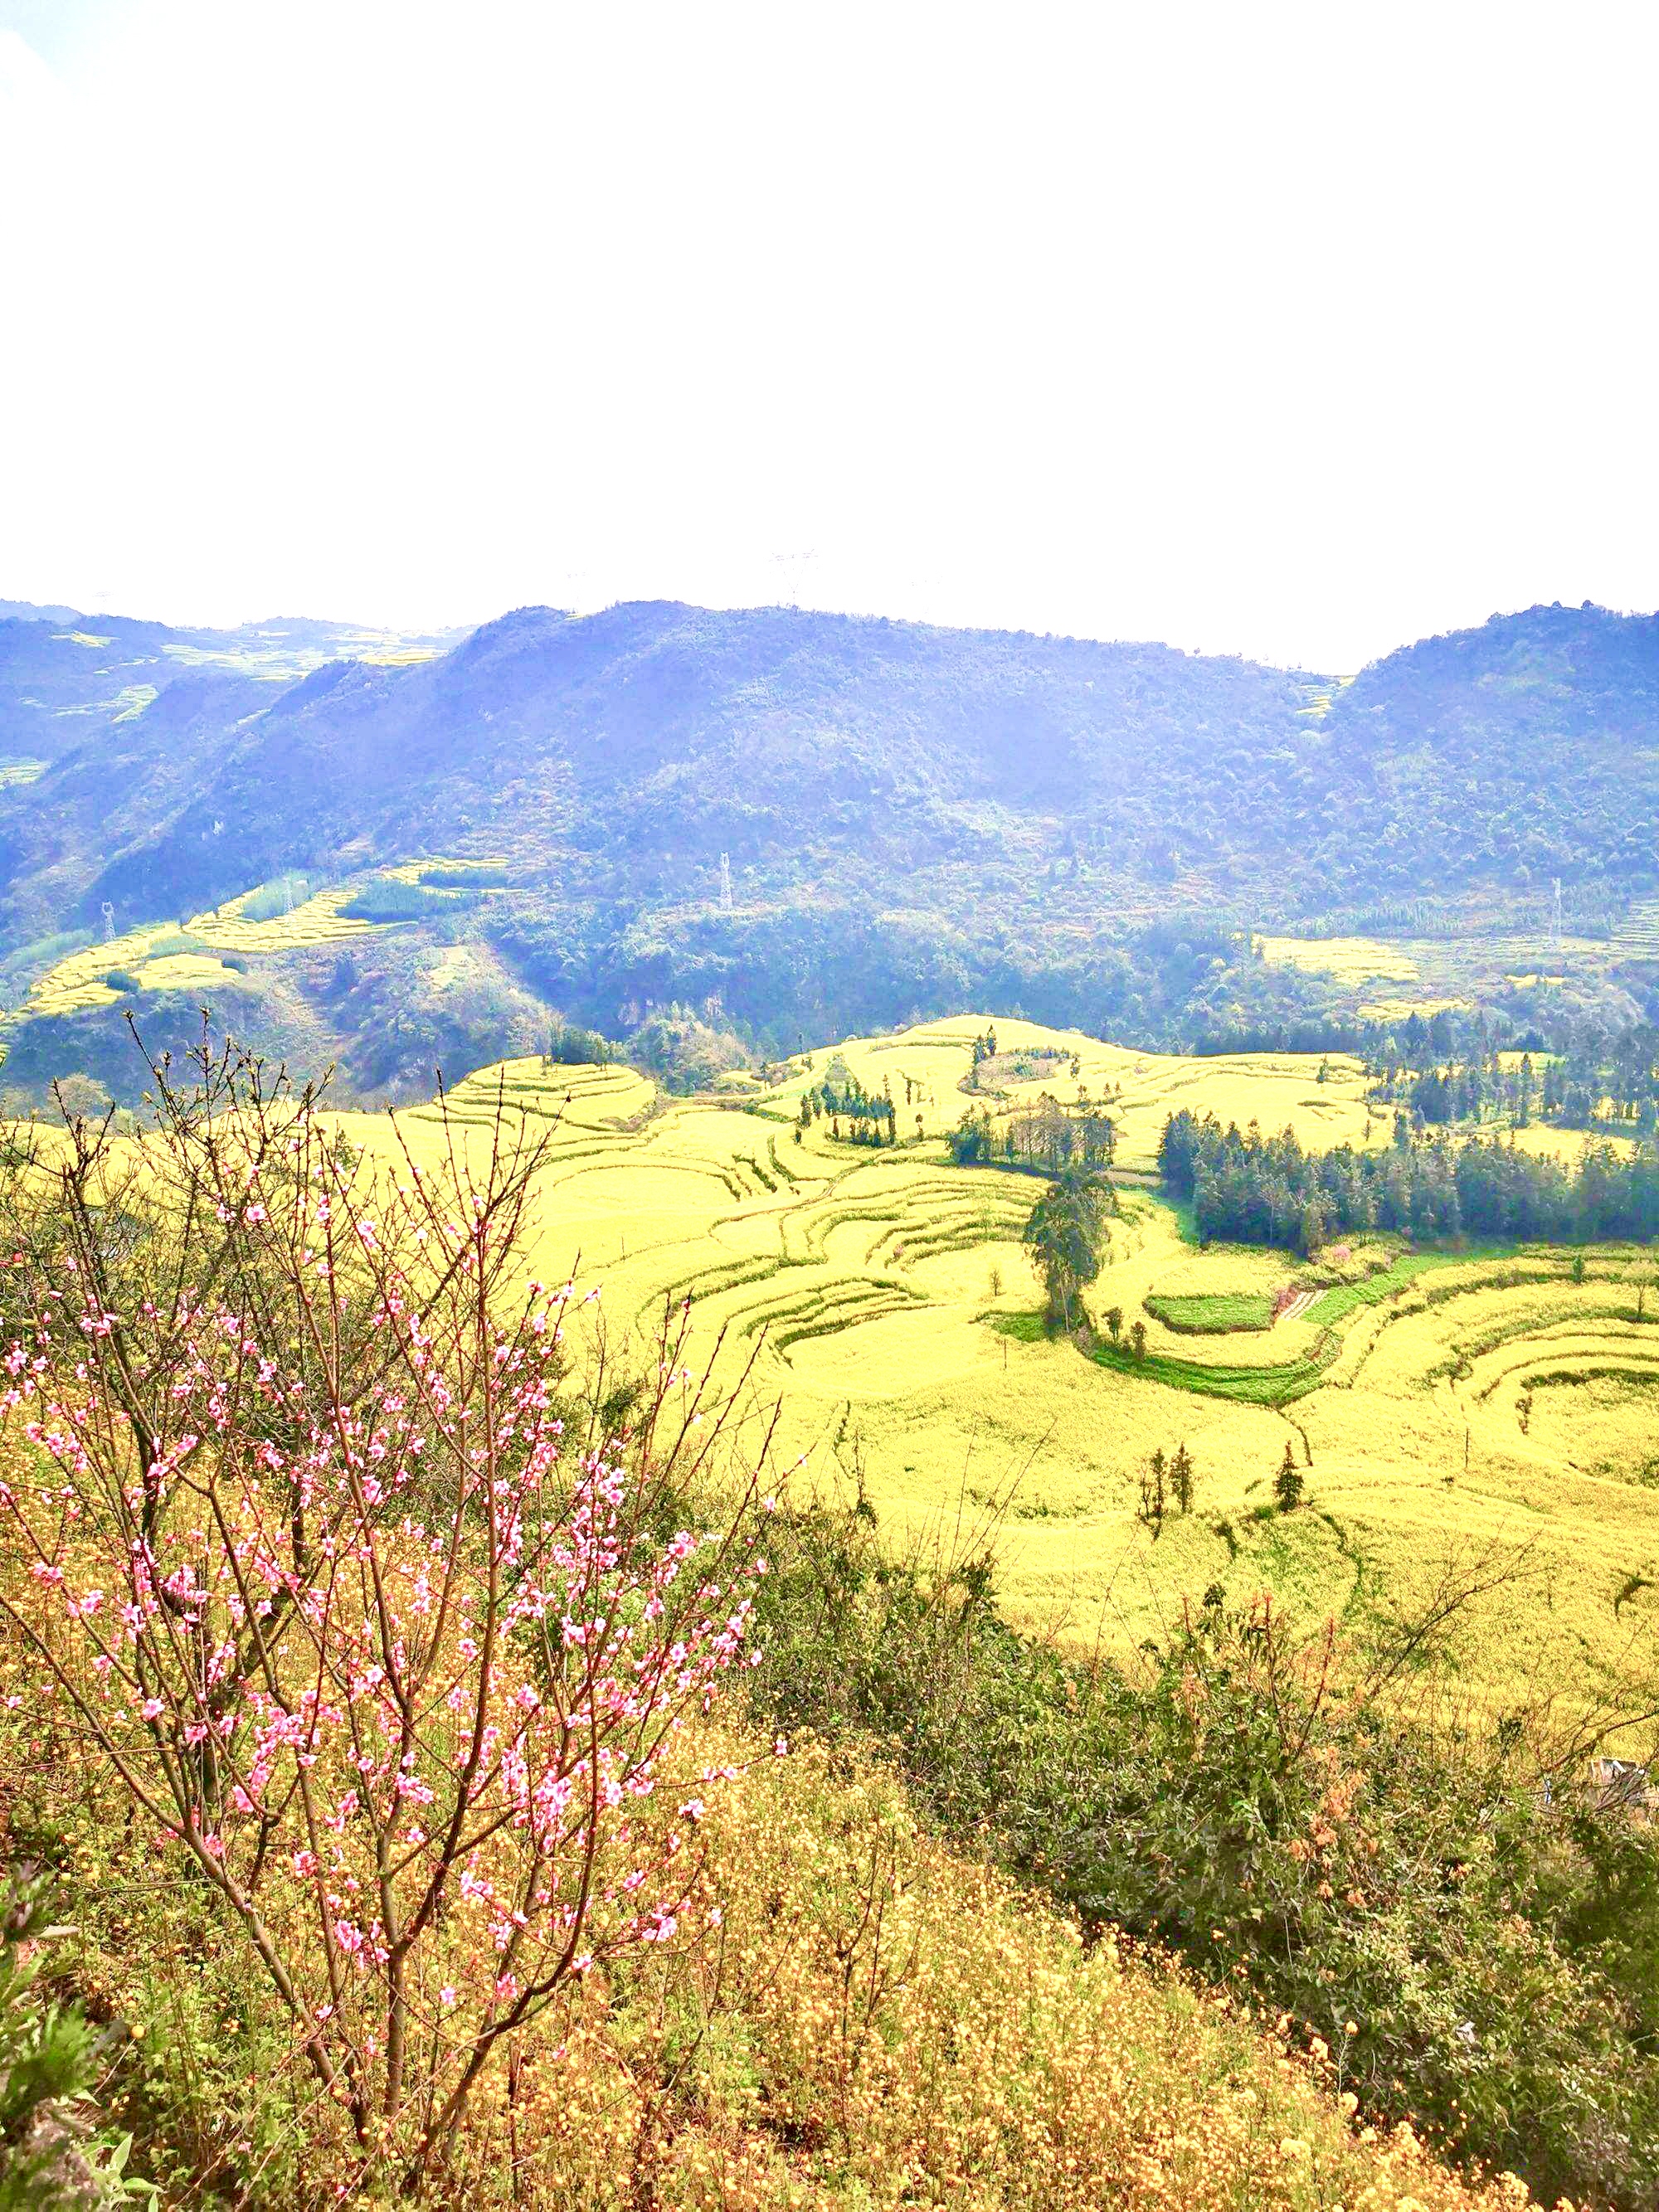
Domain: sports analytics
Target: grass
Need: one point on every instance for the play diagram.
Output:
(464, 875)
(279, 896)
(388, 901)
(870, 2018)
(1336, 1303)
(1249, 1383)
(1214, 1313)
(278, 657)
(1396, 1011)
(1442, 1405)
(860, 1284)
(1638, 936)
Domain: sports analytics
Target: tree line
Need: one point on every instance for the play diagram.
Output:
(1615, 1079)
(1248, 1188)
(871, 1119)
(1046, 1137)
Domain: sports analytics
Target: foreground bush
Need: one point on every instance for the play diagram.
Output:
(49, 2062)
(306, 1562)
(1477, 1945)
(879, 2022)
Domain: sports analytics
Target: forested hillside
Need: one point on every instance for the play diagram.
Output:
(916, 818)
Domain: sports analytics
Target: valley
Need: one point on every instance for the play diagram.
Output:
(881, 1301)
(1282, 1604)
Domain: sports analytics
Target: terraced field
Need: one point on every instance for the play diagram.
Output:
(1638, 938)
(1442, 1405)
(162, 955)
(1350, 960)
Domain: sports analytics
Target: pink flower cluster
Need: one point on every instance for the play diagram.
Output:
(318, 1565)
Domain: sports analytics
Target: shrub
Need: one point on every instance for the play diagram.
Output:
(278, 896)
(387, 1665)
(571, 1047)
(1475, 1951)
(48, 2161)
(122, 979)
(393, 902)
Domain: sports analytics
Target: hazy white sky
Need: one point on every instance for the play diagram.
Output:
(1298, 331)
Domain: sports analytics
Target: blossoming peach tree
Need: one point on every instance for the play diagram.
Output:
(312, 1538)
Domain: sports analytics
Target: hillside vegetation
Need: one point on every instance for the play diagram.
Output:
(915, 819)
(370, 1703)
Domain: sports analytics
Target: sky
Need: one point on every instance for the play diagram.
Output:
(1298, 332)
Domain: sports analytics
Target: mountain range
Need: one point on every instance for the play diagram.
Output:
(912, 816)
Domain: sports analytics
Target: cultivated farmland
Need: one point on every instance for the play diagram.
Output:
(160, 956)
(1441, 1405)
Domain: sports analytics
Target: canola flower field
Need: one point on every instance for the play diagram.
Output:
(1443, 1406)
(166, 955)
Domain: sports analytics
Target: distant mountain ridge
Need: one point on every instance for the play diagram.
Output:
(960, 796)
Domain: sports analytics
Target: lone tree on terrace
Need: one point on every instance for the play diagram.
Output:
(1065, 1237)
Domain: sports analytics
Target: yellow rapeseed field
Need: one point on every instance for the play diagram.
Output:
(1350, 960)
(77, 982)
(1489, 1406)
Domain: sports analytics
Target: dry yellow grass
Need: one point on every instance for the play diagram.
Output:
(929, 2036)
(316, 920)
(184, 972)
(849, 2016)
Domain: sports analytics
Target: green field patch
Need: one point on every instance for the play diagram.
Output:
(1212, 1314)
(463, 875)
(385, 901)
(1342, 1298)
(1246, 1383)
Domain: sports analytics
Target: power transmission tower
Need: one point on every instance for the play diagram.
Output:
(790, 566)
(1555, 915)
(109, 923)
(726, 883)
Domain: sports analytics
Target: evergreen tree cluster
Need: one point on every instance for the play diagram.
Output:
(1598, 1078)
(1047, 1139)
(870, 1119)
(1252, 1189)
